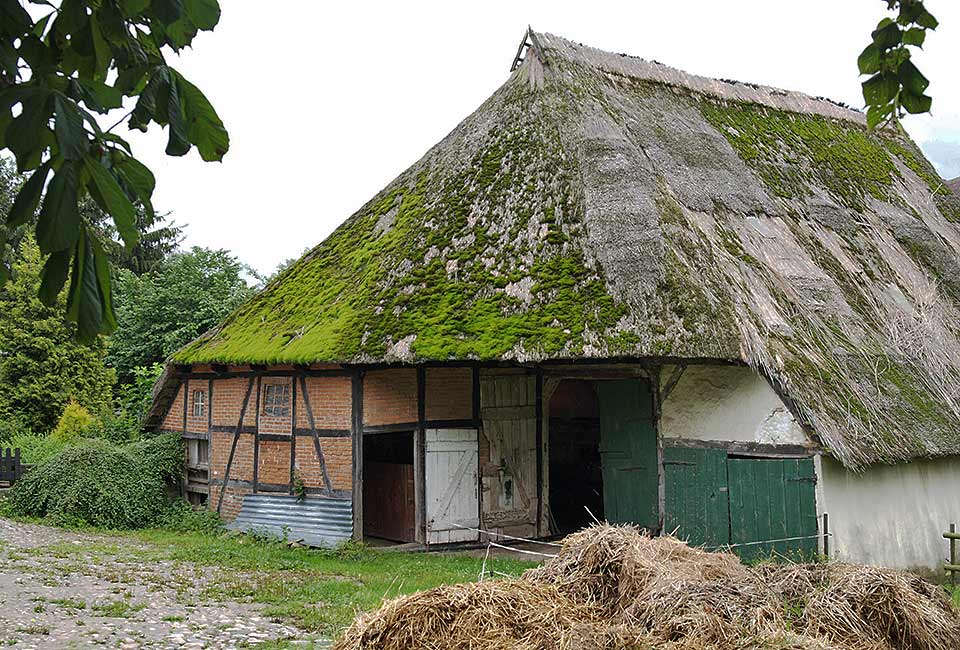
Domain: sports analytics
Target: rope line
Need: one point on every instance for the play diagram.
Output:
(510, 537)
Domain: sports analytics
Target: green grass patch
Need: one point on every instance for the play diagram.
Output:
(69, 603)
(954, 594)
(117, 609)
(316, 590)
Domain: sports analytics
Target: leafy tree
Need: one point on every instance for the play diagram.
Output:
(42, 366)
(10, 182)
(63, 64)
(161, 311)
(896, 85)
(157, 239)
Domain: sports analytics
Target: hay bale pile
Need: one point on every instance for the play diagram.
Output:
(614, 588)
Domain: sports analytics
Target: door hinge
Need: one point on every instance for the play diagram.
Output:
(679, 462)
(803, 479)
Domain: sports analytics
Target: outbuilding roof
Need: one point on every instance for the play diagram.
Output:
(602, 206)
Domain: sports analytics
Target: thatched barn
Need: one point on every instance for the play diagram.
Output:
(702, 306)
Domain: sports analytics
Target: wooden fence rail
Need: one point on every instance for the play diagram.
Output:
(952, 567)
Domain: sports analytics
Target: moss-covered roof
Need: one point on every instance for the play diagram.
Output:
(598, 206)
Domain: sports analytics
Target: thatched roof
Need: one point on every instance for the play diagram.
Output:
(599, 205)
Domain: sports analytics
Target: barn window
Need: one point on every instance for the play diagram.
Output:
(276, 401)
(199, 403)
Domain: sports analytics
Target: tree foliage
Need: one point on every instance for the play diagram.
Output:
(157, 238)
(161, 311)
(896, 85)
(42, 366)
(60, 67)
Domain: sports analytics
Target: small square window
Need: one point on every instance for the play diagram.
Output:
(276, 400)
(199, 403)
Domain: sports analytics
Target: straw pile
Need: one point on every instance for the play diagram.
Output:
(509, 614)
(866, 607)
(614, 588)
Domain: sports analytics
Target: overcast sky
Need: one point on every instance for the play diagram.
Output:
(327, 102)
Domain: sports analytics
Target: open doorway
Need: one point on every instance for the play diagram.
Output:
(388, 487)
(576, 475)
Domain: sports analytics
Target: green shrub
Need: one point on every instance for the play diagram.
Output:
(184, 518)
(75, 422)
(10, 428)
(33, 447)
(116, 428)
(98, 483)
(163, 454)
(135, 397)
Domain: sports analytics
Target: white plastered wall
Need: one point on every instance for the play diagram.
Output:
(892, 515)
(726, 404)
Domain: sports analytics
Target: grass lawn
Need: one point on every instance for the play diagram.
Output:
(316, 590)
(954, 594)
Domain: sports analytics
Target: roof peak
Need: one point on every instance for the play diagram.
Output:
(546, 45)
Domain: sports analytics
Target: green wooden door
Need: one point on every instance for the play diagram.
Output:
(696, 507)
(628, 452)
(772, 500)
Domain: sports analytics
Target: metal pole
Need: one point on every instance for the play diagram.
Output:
(953, 556)
(826, 535)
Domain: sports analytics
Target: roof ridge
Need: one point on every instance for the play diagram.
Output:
(726, 89)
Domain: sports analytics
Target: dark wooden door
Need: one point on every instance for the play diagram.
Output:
(388, 506)
(628, 452)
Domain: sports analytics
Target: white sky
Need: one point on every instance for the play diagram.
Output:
(327, 102)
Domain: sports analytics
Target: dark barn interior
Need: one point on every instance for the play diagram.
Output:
(576, 481)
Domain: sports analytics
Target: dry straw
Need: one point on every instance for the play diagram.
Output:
(615, 588)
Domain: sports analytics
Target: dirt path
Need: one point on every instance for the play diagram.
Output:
(66, 589)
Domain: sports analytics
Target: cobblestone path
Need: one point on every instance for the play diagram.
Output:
(66, 589)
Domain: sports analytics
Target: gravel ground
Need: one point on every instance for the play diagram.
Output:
(66, 589)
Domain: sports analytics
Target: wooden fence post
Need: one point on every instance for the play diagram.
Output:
(826, 535)
(953, 555)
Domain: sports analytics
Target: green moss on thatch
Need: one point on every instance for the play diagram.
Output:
(436, 272)
(792, 152)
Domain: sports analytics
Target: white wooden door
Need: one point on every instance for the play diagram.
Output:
(453, 501)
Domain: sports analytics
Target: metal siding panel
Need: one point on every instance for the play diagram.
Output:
(315, 521)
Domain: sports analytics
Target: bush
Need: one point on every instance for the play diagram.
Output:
(34, 448)
(135, 397)
(9, 429)
(184, 518)
(163, 454)
(98, 483)
(75, 422)
(116, 428)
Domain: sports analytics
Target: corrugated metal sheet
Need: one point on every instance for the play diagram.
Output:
(315, 521)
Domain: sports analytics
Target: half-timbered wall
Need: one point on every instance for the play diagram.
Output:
(251, 448)
(173, 421)
(390, 397)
